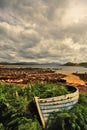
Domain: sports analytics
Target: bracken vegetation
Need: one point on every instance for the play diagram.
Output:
(18, 111)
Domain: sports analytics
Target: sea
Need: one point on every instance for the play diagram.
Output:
(54, 67)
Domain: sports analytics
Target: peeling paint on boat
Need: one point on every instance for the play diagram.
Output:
(46, 106)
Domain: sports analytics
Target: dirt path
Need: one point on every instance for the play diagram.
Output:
(71, 78)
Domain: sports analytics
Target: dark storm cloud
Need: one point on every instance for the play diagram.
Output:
(53, 6)
(7, 4)
(42, 30)
(78, 31)
(3, 3)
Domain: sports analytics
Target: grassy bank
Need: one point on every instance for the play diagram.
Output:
(18, 112)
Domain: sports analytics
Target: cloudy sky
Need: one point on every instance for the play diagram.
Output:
(43, 31)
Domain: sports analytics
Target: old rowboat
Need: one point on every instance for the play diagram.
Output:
(47, 106)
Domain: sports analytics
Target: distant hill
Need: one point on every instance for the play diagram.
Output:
(47, 63)
(29, 63)
(70, 64)
(75, 64)
(18, 63)
(83, 64)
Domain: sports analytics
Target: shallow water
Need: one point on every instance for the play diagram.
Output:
(54, 67)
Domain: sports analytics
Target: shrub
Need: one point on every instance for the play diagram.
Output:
(16, 104)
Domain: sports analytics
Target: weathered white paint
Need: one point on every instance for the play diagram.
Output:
(47, 106)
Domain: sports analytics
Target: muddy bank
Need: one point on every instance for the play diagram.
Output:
(78, 80)
(23, 76)
(29, 75)
(81, 81)
(82, 76)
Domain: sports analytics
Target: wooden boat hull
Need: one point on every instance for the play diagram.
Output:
(47, 106)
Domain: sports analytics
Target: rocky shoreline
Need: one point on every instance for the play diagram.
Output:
(82, 76)
(29, 75)
(24, 76)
